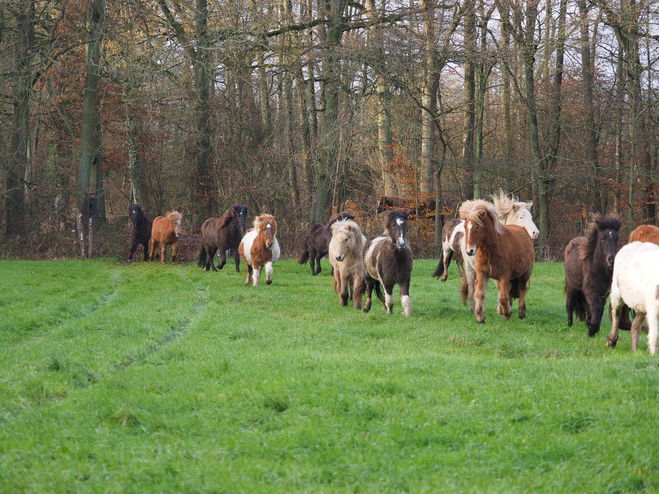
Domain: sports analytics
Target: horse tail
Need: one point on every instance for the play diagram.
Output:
(580, 306)
(515, 287)
(202, 257)
(305, 254)
(440, 267)
(378, 291)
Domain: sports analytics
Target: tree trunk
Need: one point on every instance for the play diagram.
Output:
(429, 100)
(469, 95)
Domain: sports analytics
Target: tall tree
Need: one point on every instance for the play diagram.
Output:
(470, 41)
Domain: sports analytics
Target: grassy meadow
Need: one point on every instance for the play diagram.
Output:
(141, 378)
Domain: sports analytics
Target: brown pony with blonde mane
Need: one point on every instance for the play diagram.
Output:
(166, 230)
(259, 248)
(503, 253)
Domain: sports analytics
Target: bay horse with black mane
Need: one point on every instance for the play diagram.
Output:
(388, 259)
(166, 230)
(316, 245)
(222, 234)
(259, 248)
(589, 269)
(141, 233)
(503, 253)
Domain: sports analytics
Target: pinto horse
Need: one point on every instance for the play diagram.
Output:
(316, 245)
(645, 233)
(504, 253)
(635, 283)
(141, 233)
(346, 253)
(453, 233)
(222, 234)
(388, 260)
(259, 248)
(166, 230)
(588, 270)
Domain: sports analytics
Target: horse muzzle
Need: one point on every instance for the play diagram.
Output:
(609, 261)
(400, 245)
(178, 235)
(269, 245)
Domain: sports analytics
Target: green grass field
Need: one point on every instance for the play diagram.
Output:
(147, 378)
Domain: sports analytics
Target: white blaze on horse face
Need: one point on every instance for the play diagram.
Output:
(471, 250)
(401, 240)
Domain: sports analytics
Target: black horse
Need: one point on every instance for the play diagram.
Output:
(141, 233)
(589, 271)
(222, 234)
(388, 260)
(316, 245)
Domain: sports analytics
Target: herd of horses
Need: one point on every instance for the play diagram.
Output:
(490, 240)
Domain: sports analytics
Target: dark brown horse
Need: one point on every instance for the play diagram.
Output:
(222, 234)
(503, 253)
(259, 248)
(388, 259)
(141, 233)
(426, 207)
(316, 245)
(165, 231)
(589, 269)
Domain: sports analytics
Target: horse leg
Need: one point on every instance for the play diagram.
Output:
(405, 300)
(312, 261)
(636, 331)
(237, 257)
(153, 245)
(389, 297)
(479, 297)
(175, 246)
(446, 262)
(249, 273)
(504, 299)
(163, 252)
(569, 307)
(522, 298)
(596, 308)
(268, 273)
(223, 258)
(358, 291)
(132, 251)
(343, 287)
(616, 311)
(369, 293)
(653, 330)
(256, 275)
(461, 268)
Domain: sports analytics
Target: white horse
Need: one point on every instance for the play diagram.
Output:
(636, 284)
(511, 211)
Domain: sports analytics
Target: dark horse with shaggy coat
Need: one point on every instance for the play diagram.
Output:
(388, 260)
(589, 270)
(316, 245)
(141, 233)
(222, 234)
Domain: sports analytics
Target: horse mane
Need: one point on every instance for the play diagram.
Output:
(343, 215)
(507, 205)
(173, 216)
(393, 215)
(264, 219)
(351, 229)
(474, 210)
(226, 218)
(599, 223)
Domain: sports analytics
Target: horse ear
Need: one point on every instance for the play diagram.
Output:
(482, 214)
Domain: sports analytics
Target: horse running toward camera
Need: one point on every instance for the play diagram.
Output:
(166, 231)
(316, 245)
(259, 248)
(503, 253)
(346, 254)
(141, 233)
(635, 283)
(222, 234)
(388, 261)
(588, 271)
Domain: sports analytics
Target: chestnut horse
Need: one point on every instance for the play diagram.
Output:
(346, 253)
(165, 231)
(141, 233)
(503, 253)
(222, 234)
(388, 260)
(588, 270)
(645, 233)
(316, 245)
(259, 247)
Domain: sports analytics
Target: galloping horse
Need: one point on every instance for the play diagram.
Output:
(165, 231)
(388, 260)
(259, 247)
(346, 253)
(635, 283)
(316, 245)
(588, 270)
(141, 233)
(503, 253)
(222, 234)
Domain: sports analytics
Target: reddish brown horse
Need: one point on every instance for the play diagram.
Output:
(259, 247)
(165, 231)
(503, 253)
(645, 233)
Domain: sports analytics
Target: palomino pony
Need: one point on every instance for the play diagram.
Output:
(346, 253)
(222, 234)
(635, 283)
(316, 245)
(141, 233)
(259, 248)
(388, 260)
(588, 270)
(166, 230)
(504, 253)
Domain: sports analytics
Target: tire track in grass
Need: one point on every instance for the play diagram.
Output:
(175, 332)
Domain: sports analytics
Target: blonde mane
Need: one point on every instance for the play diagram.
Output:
(507, 205)
(350, 229)
(264, 219)
(173, 216)
(474, 211)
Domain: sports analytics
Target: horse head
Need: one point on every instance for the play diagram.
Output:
(396, 227)
(136, 214)
(177, 222)
(266, 225)
(514, 212)
(240, 213)
(346, 239)
(602, 239)
(481, 222)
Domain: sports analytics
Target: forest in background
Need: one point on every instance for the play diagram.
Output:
(300, 108)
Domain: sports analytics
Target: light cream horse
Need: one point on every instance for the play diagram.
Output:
(346, 253)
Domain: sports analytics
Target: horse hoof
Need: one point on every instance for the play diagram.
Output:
(611, 344)
(482, 321)
(268, 282)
